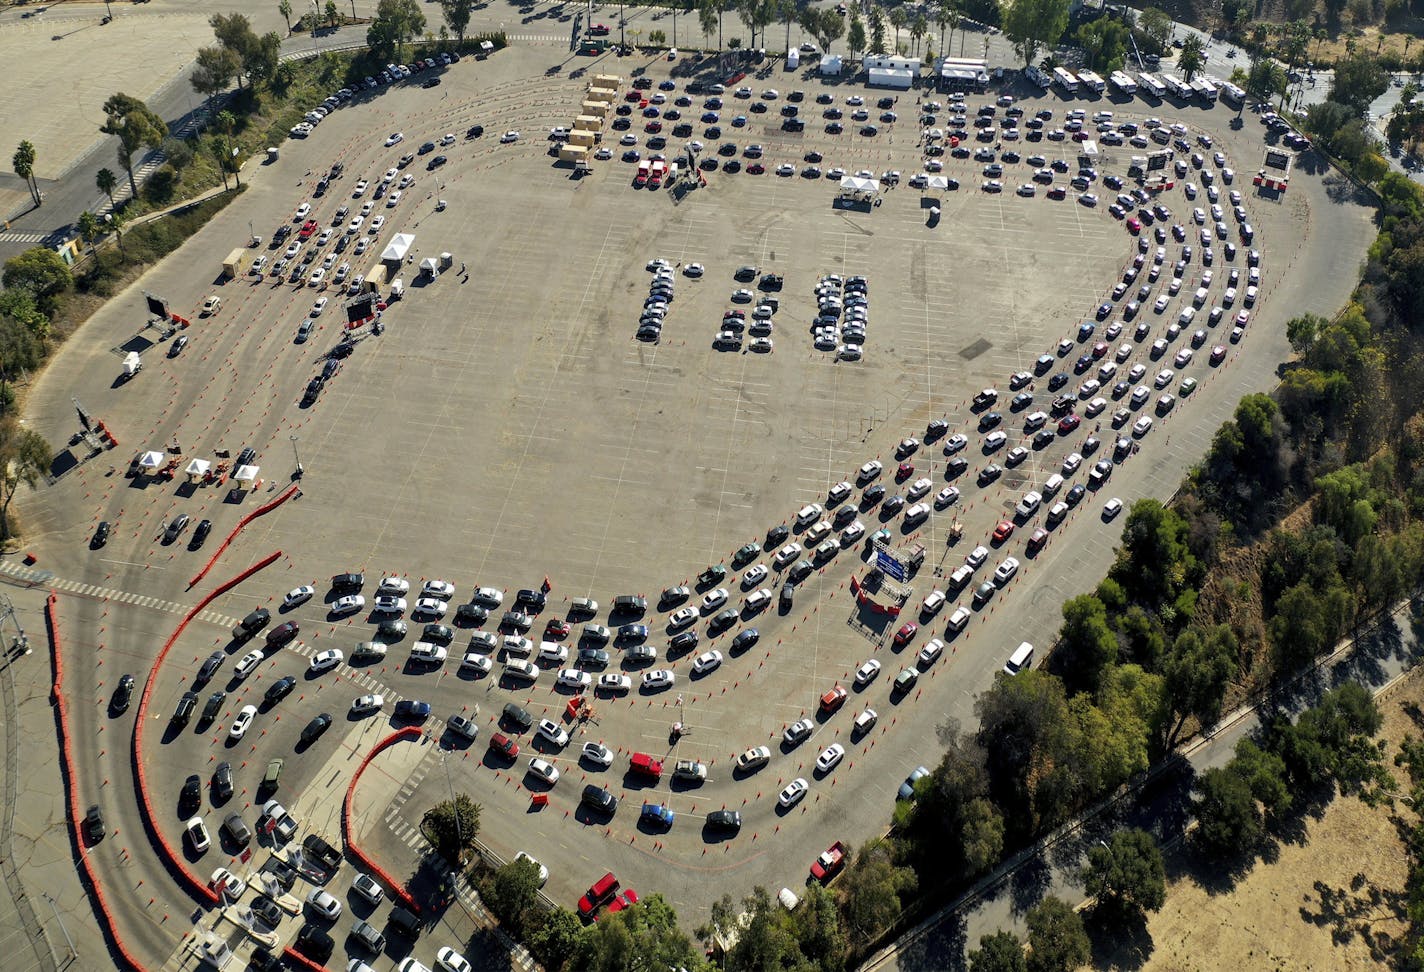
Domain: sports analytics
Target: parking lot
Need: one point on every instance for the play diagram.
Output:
(507, 427)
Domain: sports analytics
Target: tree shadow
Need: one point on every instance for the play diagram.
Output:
(1119, 941)
(1349, 912)
(1029, 883)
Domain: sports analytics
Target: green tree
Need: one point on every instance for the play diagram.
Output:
(786, 12)
(833, 28)
(1155, 565)
(136, 125)
(457, 17)
(234, 32)
(919, 27)
(23, 162)
(25, 456)
(1157, 24)
(1301, 628)
(1056, 938)
(643, 936)
(261, 57)
(453, 826)
(877, 32)
(1359, 80)
(90, 228)
(898, 18)
(1034, 24)
(1228, 820)
(872, 889)
(107, 182)
(1104, 40)
(396, 23)
(554, 937)
(1302, 331)
(1087, 644)
(708, 19)
(284, 7)
(855, 35)
(1197, 673)
(1264, 774)
(1000, 951)
(1127, 876)
(216, 67)
(514, 889)
(818, 930)
(1192, 56)
(981, 836)
(41, 272)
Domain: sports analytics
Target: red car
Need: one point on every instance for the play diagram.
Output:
(597, 896)
(756, 168)
(1100, 349)
(283, 633)
(503, 745)
(634, 95)
(1134, 225)
(829, 863)
(906, 470)
(1218, 353)
(833, 699)
(1039, 538)
(1068, 423)
(1003, 531)
(557, 628)
(653, 127)
(598, 30)
(308, 228)
(906, 634)
(627, 899)
(1058, 192)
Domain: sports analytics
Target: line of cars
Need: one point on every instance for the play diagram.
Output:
(842, 316)
(729, 336)
(660, 295)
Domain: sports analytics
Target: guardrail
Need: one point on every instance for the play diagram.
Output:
(69, 778)
(260, 511)
(398, 889)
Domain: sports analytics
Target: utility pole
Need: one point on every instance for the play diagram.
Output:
(7, 613)
(297, 456)
(454, 805)
(73, 952)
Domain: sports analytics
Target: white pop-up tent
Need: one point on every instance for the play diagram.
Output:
(400, 246)
(151, 461)
(197, 469)
(937, 182)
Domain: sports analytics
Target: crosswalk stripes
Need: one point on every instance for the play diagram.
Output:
(23, 237)
(47, 578)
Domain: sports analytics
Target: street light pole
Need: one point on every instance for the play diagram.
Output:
(73, 952)
(296, 455)
(454, 805)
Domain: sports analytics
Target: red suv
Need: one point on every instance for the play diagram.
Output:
(503, 745)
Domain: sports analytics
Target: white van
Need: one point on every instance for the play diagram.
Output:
(514, 645)
(552, 651)
(1054, 484)
(1021, 658)
(961, 576)
(428, 653)
(959, 620)
(522, 668)
(1029, 504)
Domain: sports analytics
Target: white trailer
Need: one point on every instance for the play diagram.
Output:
(1152, 84)
(1066, 80)
(1091, 81)
(1122, 81)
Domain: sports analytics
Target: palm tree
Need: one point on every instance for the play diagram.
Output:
(24, 166)
(90, 227)
(116, 223)
(284, 7)
(107, 183)
(918, 28)
(897, 20)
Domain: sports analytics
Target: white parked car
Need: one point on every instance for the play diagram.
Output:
(866, 673)
(393, 585)
(574, 678)
(706, 662)
(614, 682)
(794, 793)
(509, 136)
(349, 604)
(553, 733)
(298, 595)
(830, 757)
(544, 770)
(598, 754)
(659, 678)
(367, 704)
(432, 606)
(324, 903)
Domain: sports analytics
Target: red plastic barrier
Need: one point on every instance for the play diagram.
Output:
(398, 889)
(301, 960)
(282, 497)
(71, 794)
(196, 885)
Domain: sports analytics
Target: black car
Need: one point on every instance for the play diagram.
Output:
(777, 535)
(593, 657)
(212, 707)
(391, 629)
(94, 823)
(123, 694)
(191, 796)
(598, 799)
(435, 163)
(280, 689)
(184, 712)
(262, 960)
(176, 528)
(267, 910)
(474, 131)
(1075, 495)
(430, 82)
(101, 534)
(348, 583)
(724, 820)
(471, 613)
(516, 621)
(439, 633)
(426, 148)
(745, 639)
(514, 715)
(315, 944)
(723, 619)
(281, 872)
(531, 598)
(406, 923)
(314, 729)
(211, 666)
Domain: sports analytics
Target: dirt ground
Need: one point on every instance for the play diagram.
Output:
(1333, 902)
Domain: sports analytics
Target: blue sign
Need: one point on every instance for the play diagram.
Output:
(890, 566)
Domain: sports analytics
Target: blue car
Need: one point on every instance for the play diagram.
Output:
(413, 710)
(709, 117)
(739, 121)
(633, 632)
(657, 814)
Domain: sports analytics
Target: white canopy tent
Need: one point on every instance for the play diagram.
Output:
(896, 78)
(151, 460)
(937, 182)
(859, 184)
(245, 476)
(831, 64)
(197, 469)
(400, 246)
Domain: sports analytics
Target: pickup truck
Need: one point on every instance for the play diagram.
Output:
(276, 820)
(712, 575)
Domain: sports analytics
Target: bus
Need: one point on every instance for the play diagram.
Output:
(1178, 87)
(1123, 82)
(1232, 94)
(590, 47)
(1205, 90)
(1091, 81)
(1065, 79)
(1152, 85)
